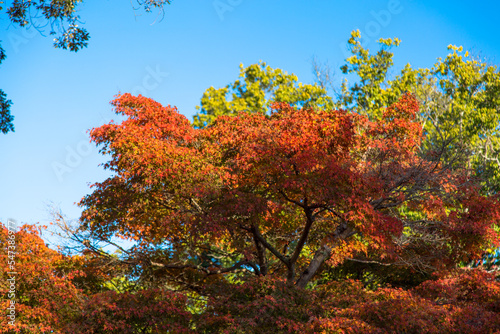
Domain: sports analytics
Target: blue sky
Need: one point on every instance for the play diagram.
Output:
(58, 95)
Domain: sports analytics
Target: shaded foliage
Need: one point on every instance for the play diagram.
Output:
(6, 118)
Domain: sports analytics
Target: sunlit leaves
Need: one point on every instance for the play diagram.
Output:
(289, 182)
(45, 295)
(258, 87)
(61, 16)
(458, 97)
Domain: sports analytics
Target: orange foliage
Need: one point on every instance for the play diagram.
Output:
(464, 303)
(145, 311)
(45, 296)
(297, 187)
(246, 211)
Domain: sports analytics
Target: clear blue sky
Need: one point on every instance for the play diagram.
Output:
(58, 95)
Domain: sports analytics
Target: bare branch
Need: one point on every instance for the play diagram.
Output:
(369, 261)
(237, 266)
(303, 237)
(266, 244)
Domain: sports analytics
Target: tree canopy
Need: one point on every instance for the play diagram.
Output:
(459, 100)
(258, 87)
(286, 191)
(282, 209)
(233, 224)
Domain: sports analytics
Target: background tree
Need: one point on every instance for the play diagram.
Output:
(62, 18)
(259, 87)
(5, 117)
(459, 101)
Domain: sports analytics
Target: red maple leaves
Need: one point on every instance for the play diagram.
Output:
(267, 186)
(246, 212)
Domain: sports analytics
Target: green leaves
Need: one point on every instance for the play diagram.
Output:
(5, 117)
(472, 113)
(459, 102)
(371, 95)
(258, 87)
(56, 13)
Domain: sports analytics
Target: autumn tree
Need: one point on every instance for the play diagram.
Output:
(53, 292)
(40, 283)
(279, 194)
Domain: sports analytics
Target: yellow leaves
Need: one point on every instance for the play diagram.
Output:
(353, 40)
(347, 249)
(455, 48)
(262, 85)
(389, 41)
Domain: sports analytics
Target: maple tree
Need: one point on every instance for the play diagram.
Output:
(280, 194)
(42, 288)
(232, 226)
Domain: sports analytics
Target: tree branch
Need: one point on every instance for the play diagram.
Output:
(369, 262)
(238, 265)
(289, 199)
(273, 250)
(342, 232)
(261, 256)
(303, 237)
(321, 255)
